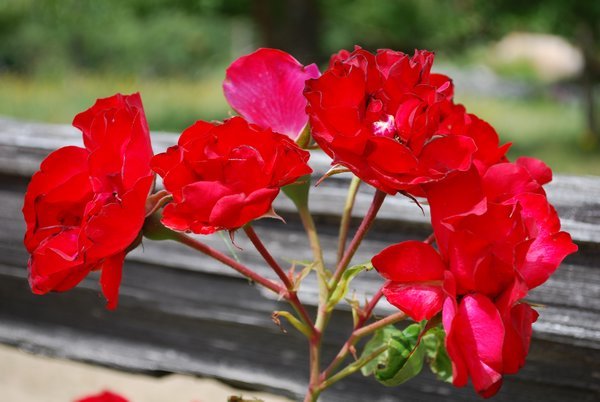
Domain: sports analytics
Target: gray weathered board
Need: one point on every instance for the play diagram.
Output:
(182, 312)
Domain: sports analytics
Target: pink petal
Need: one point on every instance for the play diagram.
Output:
(266, 87)
(474, 341)
(479, 329)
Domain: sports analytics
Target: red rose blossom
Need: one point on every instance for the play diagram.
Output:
(86, 206)
(497, 237)
(223, 176)
(265, 87)
(392, 122)
(104, 396)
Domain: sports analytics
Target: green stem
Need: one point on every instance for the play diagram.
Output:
(362, 230)
(347, 216)
(352, 368)
(315, 245)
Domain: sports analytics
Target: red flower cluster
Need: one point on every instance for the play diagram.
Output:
(385, 117)
(498, 237)
(86, 206)
(392, 122)
(222, 176)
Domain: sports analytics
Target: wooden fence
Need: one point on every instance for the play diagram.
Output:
(181, 312)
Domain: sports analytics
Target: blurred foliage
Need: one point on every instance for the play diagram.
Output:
(147, 37)
(440, 25)
(56, 56)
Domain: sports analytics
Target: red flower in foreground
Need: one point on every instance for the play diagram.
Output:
(86, 206)
(265, 87)
(223, 176)
(392, 122)
(498, 237)
(105, 396)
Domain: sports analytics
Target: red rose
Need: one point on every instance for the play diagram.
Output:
(265, 87)
(498, 226)
(381, 116)
(223, 176)
(105, 396)
(86, 206)
(497, 237)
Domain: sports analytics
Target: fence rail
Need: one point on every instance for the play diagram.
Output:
(181, 312)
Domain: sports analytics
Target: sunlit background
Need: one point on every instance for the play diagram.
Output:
(531, 68)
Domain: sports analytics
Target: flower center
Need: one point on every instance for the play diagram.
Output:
(385, 127)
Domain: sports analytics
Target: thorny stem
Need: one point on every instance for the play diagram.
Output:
(260, 247)
(292, 295)
(358, 236)
(242, 269)
(347, 216)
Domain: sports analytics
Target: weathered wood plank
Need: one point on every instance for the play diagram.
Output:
(182, 312)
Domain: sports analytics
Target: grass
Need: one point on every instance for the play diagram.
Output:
(542, 128)
(170, 104)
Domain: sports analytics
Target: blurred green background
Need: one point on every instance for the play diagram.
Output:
(531, 68)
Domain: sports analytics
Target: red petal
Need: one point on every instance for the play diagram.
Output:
(538, 170)
(266, 88)
(479, 329)
(410, 261)
(110, 279)
(448, 153)
(544, 256)
(418, 301)
(389, 155)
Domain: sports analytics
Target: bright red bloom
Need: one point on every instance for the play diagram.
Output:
(86, 206)
(498, 237)
(104, 396)
(265, 87)
(223, 176)
(392, 122)
(500, 227)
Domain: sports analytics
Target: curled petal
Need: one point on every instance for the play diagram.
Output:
(418, 301)
(475, 338)
(266, 88)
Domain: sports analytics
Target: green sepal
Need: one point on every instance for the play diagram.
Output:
(298, 191)
(153, 228)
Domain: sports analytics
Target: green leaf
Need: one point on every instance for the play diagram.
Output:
(402, 360)
(298, 191)
(437, 357)
(342, 287)
(380, 337)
